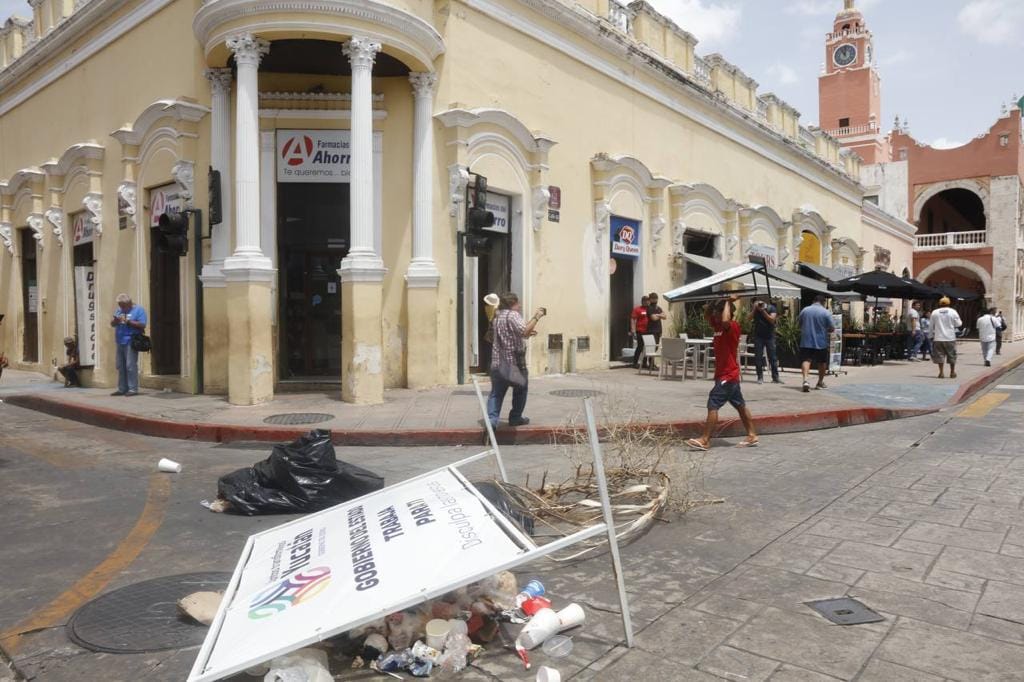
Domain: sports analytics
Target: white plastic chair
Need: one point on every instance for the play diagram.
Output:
(651, 351)
(673, 355)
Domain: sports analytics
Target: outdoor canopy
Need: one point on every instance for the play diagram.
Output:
(881, 283)
(742, 278)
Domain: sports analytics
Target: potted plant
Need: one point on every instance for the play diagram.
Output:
(787, 341)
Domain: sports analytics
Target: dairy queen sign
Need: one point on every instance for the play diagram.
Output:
(625, 238)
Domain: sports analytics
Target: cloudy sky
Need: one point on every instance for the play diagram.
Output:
(946, 65)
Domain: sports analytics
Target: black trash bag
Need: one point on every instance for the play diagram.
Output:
(303, 476)
(506, 504)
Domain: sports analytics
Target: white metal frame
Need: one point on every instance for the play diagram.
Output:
(531, 551)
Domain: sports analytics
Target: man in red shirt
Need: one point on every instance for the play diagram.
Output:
(727, 374)
(637, 328)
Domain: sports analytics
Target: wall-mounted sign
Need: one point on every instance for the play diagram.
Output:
(314, 156)
(554, 197)
(769, 253)
(554, 216)
(625, 235)
(501, 206)
(83, 230)
(164, 199)
(882, 258)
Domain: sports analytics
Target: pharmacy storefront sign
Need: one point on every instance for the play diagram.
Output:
(314, 156)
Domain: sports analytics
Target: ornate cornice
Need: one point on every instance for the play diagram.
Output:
(132, 134)
(417, 36)
(126, 204)
(220, 80)
(5, 237)
(35, 223)
(93, 203)
(248, 49)
(184, 173)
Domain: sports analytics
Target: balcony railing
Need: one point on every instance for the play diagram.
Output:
(762, 109)
(701, 71)
(952, 240)
(854, 130)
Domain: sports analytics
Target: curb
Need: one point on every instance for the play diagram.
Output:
(972, 387)
(535, 435)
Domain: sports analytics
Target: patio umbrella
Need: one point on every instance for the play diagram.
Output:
(956, 293)
(881, 283)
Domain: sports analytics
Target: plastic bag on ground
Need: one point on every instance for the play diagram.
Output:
(302, 476)
(304, 665)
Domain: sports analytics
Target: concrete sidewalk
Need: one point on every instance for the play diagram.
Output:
(451, 415)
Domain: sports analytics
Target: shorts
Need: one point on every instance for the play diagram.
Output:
(816, 356)
(726, 392)
(944, 351)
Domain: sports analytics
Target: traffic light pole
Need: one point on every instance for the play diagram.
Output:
(197, 249)
(460, 325)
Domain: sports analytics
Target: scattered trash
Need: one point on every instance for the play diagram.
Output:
(558, 646)
(543, 624)
(218, 505)
(437, 632)
(304, 665)
(303, 476)
(168, 466)
(201, 606)
(546, 674)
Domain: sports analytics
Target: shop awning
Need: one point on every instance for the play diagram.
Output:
(809, 284)
(822, 271)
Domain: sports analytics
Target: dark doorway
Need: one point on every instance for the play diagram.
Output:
(494, 275)
(623, 300)
(165, 314)
(312, 239)
(29, 297)
(954, 210)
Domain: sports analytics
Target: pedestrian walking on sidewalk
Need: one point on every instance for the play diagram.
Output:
(944, 323)
(988, 331)
(1000, 328)
(916, 337)
(926, 339)
(508, 360)
(766, 316)
(69, 370)
(654, 317)
(727, 374)
(128, 320)
(816, 329)
(637, 329)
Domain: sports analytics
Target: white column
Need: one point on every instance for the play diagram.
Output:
(423, 271)
(220, 159)
(247, 256)
(362, 263)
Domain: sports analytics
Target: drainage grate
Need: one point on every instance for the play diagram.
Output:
(845, 611)
(463, 393)
(298, 418)
(576, 393)
(144, 616)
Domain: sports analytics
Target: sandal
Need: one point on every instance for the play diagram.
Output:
(696, 444)
(748, 443)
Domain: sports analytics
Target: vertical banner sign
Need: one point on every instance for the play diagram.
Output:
(85, 313)
(835, 356)
(625, 237)
(313, 156)
(164, 199)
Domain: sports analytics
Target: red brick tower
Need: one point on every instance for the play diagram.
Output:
(849, 98)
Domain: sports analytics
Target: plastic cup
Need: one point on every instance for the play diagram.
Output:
(546, 674)
(571, 616)
(543, 624)
(558, 646)
(437, 631)
(534, 588)
(168, 466)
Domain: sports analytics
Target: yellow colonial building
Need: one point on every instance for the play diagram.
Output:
(348, 135)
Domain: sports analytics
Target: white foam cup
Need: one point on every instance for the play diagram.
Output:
(169, 466)
(543, 624)
(437, 631)
(571, 616)
(546, 674)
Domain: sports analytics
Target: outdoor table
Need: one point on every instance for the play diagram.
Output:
(702, 351)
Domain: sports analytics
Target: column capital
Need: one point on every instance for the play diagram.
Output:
(248, 48)
(361, 51)
(220, 80)
(423, 84)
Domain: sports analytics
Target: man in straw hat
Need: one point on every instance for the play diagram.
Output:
(944, 323)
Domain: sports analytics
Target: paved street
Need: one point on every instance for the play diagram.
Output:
(920, 519)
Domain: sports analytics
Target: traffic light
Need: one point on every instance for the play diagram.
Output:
(172, 234)
(478, 218)
(213, 182)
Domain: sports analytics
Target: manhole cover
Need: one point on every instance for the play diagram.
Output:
(144, 616)
(845, 611)
(463, 392)
(576, 393)
(298, 418)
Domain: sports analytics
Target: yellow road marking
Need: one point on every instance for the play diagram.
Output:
(983, 405)
(58, 610)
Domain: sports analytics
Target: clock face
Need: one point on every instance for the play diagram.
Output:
(844, 55)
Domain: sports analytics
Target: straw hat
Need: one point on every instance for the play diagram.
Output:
(492, 300)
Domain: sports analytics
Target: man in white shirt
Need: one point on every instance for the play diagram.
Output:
(988, 328)
(914, 327)
(944, 323)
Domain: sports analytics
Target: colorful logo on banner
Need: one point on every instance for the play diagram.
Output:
(297, 150)
(291, 591)
(83, 230)
(625, 238)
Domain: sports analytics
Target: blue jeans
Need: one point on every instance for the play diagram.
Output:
(916, 339)
(760, 346)
(498, 389)
(127, 368)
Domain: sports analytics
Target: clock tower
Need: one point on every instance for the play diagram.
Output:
(849, 101)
